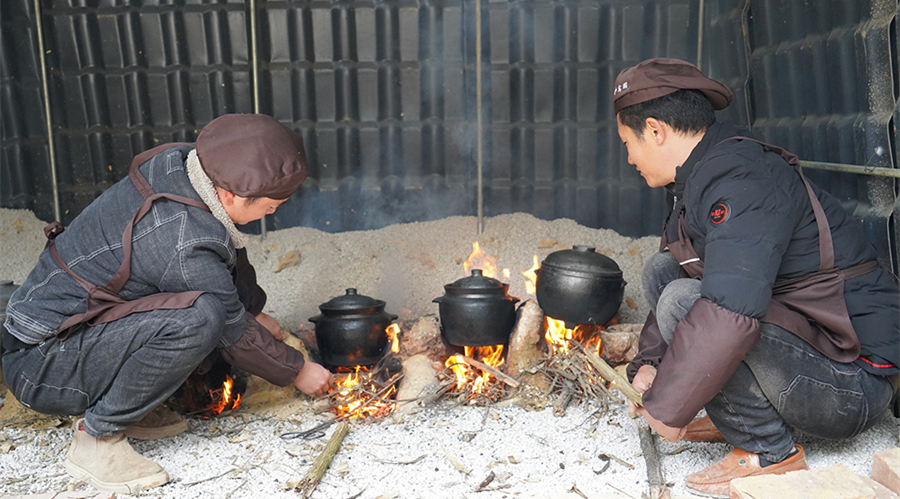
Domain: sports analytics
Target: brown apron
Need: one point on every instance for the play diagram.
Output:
(812, 306)
(103, 302)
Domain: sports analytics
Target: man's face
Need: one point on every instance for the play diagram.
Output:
(646, 154)
(243, 210)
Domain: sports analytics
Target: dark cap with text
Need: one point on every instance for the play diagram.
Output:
(662, 76)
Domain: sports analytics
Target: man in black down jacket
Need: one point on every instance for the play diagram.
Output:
(768, 306)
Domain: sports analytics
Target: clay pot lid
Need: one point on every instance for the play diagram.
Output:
(351, 301)
(581, 258)
(477, 281)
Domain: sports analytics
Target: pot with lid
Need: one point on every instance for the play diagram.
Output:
(352, 330)
(579, 286)
(477, 311)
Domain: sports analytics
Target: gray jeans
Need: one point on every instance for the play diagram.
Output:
(783, 382)
(116, 373)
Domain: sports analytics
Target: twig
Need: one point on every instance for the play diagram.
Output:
(382, 461)
(651, 456)
(188, 484)
(617, 380)
(509, 380)
(308, 483)
(623, 463)
(562, 401)
(484, 483)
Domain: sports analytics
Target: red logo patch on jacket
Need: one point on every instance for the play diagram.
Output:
(718, 213)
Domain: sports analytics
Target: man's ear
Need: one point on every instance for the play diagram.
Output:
(226, 197)
(655, 130)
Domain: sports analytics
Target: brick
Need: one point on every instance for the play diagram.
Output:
(832, 482)
(886, 468)
(881, 492)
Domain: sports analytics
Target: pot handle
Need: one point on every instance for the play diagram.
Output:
(315, 319)
(437, 300)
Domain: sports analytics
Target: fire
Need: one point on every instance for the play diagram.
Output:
(221, 398)
(393, 332)
(558, 336)
(359, 396)
(471, 379)
(531, 277)
(480, 260)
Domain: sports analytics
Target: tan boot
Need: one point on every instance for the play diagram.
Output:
(109, 463)
(162, 422)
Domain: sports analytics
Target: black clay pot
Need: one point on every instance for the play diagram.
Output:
(352, 330)
(477, 311)
(579, 286)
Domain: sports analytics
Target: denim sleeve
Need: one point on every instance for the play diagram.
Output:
(207, 265)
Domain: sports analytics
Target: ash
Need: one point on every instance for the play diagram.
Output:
(443, 451)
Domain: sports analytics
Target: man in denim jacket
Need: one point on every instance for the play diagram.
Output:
(145, 284)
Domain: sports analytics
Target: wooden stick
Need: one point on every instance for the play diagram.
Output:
(509, 380)
(655, 477)
(308, 483)
(562, 401)
(617, 380)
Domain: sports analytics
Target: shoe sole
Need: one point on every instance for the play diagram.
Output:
(154, 433)
(129, 487)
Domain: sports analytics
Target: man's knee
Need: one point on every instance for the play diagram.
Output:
(206, 319)
(660, 269)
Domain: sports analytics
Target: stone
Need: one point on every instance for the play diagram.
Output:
(832, 482)
(886, 468)
(424, 337)
(525, 339)
(620, 343)
(419, 379)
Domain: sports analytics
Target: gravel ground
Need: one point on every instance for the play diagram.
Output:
(444, 451)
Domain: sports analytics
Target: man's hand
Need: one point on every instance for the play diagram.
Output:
(271, 324)
(313, 379)
(642, 382)
(669, 433)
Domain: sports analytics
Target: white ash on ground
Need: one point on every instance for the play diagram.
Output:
(444, 451)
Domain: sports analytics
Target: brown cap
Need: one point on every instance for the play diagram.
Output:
(658, 77)
(252, 155)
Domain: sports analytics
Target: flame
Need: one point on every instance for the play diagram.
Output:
(531, 277)
(474, 380)
(352, 405)
(393, 332)
(558, 336)
(479, 260)
(221, 399)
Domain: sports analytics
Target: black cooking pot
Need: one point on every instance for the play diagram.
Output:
(352, 330)
(477, 311)
(579, 286)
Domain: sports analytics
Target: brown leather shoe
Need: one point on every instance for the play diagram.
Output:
(713, 480)
(702, 430)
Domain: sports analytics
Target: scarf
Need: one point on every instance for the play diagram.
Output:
(207, 191)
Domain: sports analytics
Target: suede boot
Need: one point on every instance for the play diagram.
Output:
(162, 422)
(109, 463)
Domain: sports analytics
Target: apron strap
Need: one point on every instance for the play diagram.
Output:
(826, 244)
(101, 300)
(137, 178)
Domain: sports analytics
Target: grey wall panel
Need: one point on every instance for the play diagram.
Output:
(25, 178)
(385, 94)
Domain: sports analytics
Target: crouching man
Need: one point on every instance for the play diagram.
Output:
(769, 308)
(147, 282)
